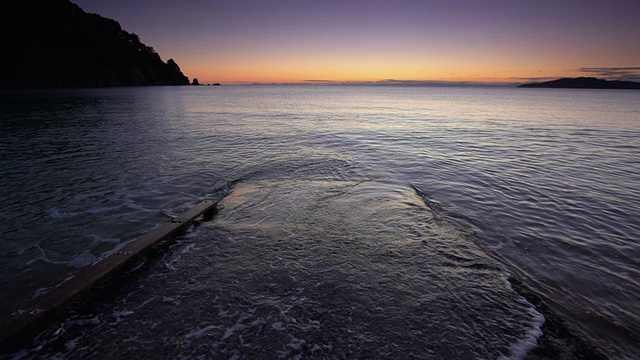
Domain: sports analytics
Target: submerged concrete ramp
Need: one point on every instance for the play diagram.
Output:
(309, 269)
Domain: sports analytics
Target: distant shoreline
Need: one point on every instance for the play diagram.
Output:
(585, 83)
(613, 85)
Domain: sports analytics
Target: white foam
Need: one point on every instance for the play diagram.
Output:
(115, 249)
(120, 315)
(296, 344)
(72, 344)
(170, 267)
(237, 326)
(188, 248)
(530, 340)
(43, 257)
(132, 205)
(82, 260)
(171, 300)
(146, 302)
(57, 214)
(520, 349)
(99, 239)
(200, 332)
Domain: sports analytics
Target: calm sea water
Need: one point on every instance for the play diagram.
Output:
(362, 221)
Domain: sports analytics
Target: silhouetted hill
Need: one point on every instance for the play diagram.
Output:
(584, 83)
(54, 43)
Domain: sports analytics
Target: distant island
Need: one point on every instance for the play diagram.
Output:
(55, 44)
(585, 83)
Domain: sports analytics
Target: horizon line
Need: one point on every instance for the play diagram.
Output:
(516, 81)
(386, 82)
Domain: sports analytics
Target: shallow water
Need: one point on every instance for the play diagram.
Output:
(336, 269)
(539, 183)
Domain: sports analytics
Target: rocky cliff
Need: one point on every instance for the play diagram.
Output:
(54, 43)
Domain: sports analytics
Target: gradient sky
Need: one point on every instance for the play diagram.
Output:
(236, 41)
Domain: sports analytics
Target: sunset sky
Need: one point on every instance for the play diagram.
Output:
(245, 41)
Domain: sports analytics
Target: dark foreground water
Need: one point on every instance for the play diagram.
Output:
(363, 221)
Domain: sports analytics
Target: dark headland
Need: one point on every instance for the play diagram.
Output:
(55, 44)
(585, 83)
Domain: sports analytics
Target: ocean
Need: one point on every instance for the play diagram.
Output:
(353, 221)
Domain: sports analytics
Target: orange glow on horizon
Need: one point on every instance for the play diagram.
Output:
(468, 65)
(346, 72)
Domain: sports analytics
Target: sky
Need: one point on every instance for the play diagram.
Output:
(325, 41)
